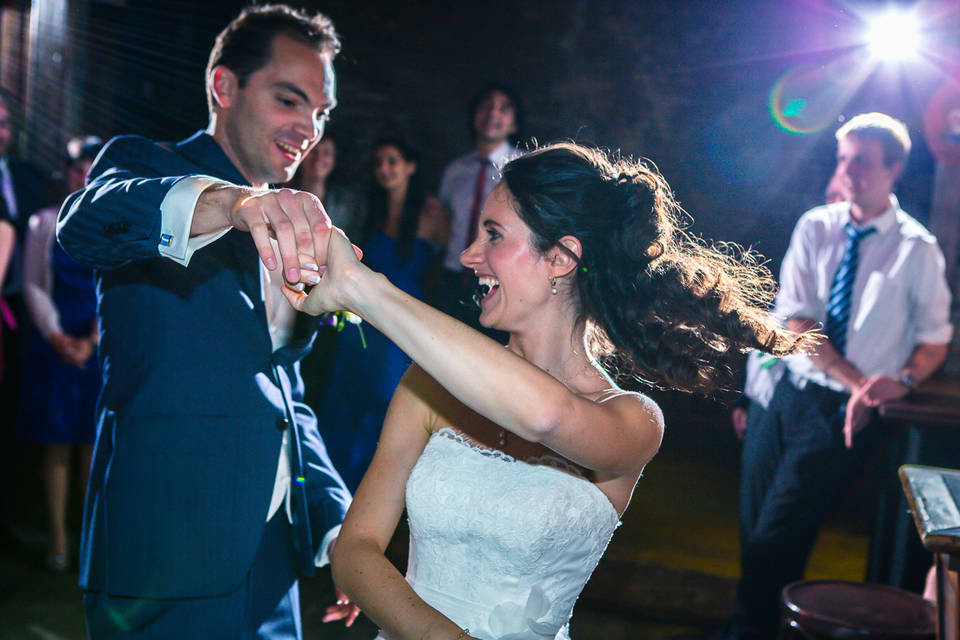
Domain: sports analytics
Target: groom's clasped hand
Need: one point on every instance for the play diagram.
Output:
(299, 224)
(335, 261)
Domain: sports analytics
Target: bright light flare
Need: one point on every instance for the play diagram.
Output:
(893, 36)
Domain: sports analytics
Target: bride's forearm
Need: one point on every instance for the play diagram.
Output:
(362, 571)
(478, 371)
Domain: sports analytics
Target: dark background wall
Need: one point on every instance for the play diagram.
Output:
(735, 101)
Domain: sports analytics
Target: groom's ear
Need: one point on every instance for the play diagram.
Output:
(223, 86)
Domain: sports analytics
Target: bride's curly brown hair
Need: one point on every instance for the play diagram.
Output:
(656, 302)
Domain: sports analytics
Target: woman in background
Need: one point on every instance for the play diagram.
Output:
(402, 227)
(61, 378)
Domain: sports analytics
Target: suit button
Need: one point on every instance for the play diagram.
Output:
(282, 424)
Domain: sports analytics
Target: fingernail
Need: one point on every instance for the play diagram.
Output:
(311, 278)
(297, 287)
(293, 274)
(271, 264)
(311, 267)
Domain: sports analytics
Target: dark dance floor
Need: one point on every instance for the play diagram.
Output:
(670, 570)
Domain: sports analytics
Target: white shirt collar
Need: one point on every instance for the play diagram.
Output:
(883, 222)
(499, 156)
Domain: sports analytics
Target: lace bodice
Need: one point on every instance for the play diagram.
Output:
(500, 546)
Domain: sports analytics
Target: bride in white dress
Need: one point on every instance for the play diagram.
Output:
(515, 464)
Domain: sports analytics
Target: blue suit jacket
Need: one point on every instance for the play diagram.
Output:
(194, 398)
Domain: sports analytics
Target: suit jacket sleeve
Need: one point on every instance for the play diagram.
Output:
(116, 218)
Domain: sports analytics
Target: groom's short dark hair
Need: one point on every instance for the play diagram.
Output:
(246, 44)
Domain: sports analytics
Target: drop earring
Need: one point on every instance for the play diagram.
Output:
(553, 286)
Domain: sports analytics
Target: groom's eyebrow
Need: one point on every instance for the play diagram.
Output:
(292, 88)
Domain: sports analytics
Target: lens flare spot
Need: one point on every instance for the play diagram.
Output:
(794, 108)
(808, 98)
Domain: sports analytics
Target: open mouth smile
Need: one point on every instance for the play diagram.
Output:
(288, 150)
(486, 286)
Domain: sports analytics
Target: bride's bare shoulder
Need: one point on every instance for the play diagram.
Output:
(445, 409)
(642, 410)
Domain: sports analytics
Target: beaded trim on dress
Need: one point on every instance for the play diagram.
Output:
(543, 461)
(552, 462)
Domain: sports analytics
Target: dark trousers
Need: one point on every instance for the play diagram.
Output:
(794, 465)
(266, 605)
(11, 351)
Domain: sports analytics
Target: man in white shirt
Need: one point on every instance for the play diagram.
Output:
(466, 183)
(210, 488)
(871, 278)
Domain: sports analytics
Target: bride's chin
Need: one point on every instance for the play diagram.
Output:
(485, 323)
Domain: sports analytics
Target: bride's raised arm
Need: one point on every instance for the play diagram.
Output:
(482, 374)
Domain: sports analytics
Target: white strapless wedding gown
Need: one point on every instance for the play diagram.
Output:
(500, 546)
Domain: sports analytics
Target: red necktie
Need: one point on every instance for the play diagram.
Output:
(478, 193)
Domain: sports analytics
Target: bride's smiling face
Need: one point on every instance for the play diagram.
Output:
(504, 258)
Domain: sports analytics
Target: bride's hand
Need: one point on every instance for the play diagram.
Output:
(342, 610)
(342, 261)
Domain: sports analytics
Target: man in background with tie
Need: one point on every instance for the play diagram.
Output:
(871, 279)
(466, 183)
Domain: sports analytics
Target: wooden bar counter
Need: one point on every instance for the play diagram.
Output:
(934, 403)
(933, 493)
(925, 430)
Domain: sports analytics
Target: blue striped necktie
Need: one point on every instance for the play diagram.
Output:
(841, 292)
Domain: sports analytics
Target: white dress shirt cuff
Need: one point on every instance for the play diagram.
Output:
(176, 218)
(322, 558)
(941, 335)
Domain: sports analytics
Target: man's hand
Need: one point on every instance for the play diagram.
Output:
(879, 389)
(342, 610)
(857, 416)
(297, 221)
(72, 351)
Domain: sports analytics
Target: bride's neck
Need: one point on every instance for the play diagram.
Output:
(559, 352)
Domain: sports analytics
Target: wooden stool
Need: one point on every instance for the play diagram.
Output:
(834, 609)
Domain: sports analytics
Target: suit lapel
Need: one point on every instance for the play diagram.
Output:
(203, 151)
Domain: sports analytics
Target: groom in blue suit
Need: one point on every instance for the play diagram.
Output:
(210, 487)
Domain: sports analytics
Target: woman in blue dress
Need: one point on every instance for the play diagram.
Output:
(402, 227)
(61, 378)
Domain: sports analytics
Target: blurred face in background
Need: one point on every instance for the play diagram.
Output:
(862, 171)
(77, 174)
(495, 119)
(390, 169)
(320, 162)
(6, 128)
